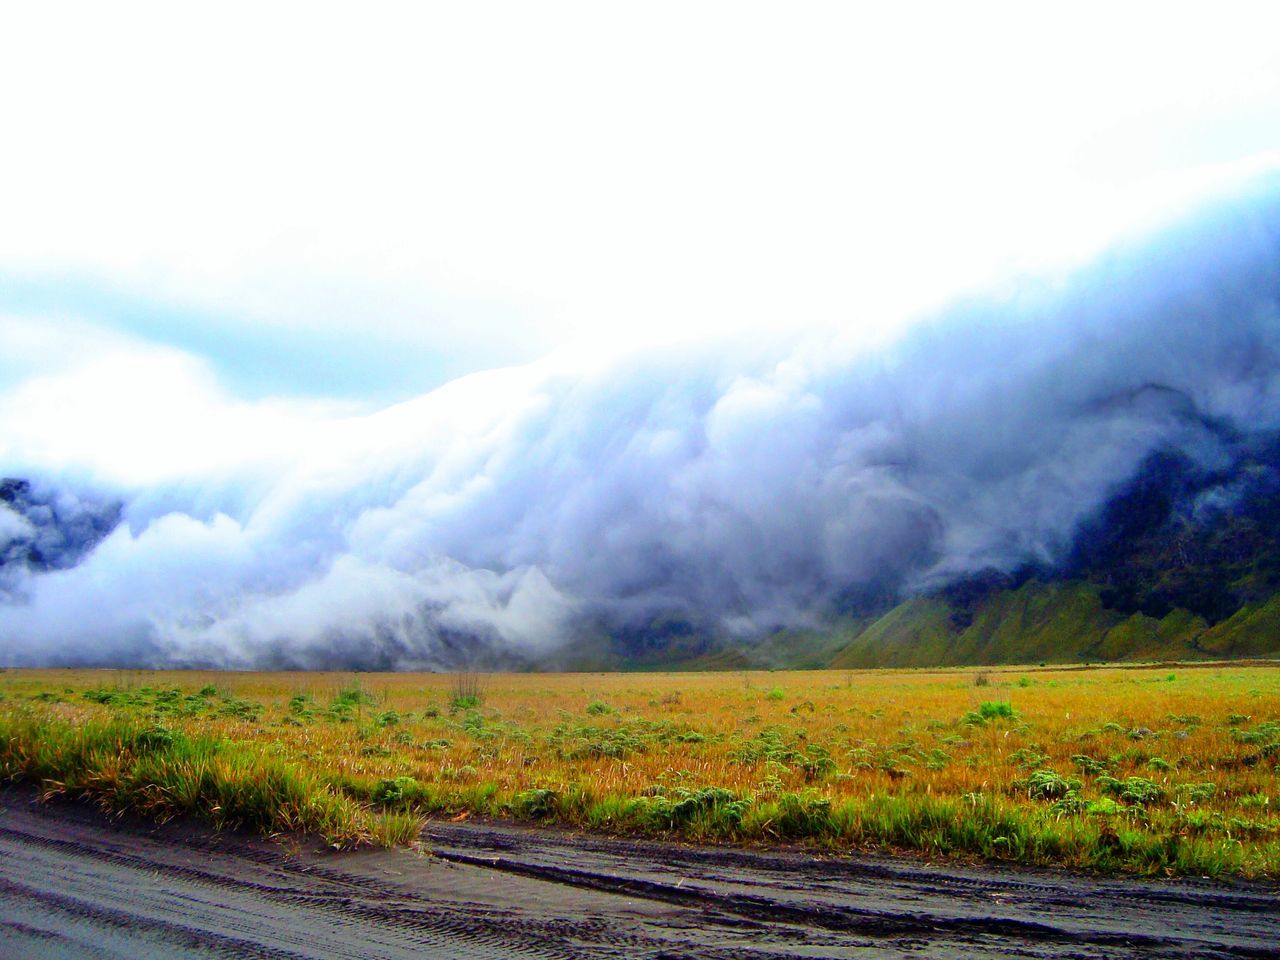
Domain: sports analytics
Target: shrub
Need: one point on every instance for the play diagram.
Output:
(396, 790)
(997, 709)
(1069, 804)
(1027, 758)
(716, 806)
(1134, 790)
(1049, 785)
(816, 762)
(803, 815)
(155, 738)
(352, 696)
(467, 691)
(536, 804)
(1090, 765)
(1196, 792)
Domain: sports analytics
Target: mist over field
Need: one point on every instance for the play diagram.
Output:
(736, 484)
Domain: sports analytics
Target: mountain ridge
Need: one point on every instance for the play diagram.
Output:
(1182, 562)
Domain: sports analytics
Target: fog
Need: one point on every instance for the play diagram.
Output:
(738, 486)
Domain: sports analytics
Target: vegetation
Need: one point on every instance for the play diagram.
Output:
(128, 765)
(1144, 770)
(1063, 621)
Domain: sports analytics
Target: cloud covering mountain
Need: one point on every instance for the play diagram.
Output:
(738, 486)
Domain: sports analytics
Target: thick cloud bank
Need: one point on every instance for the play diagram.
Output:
(736, 486)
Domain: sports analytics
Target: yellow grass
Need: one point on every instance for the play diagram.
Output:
(856, 749)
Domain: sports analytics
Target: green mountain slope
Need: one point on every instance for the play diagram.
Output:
(1032, 623)
(1056, 623)
(1038, 622)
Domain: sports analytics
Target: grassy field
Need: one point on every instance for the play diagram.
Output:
(1154, 770)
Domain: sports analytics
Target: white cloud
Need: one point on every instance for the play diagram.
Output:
(13, 525)
(737, 484)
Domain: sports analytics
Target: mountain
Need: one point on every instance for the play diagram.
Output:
(1181, 562)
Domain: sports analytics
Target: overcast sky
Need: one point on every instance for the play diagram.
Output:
(386, 325)
(363, 203)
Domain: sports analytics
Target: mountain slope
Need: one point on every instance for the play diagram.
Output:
(1181, 562)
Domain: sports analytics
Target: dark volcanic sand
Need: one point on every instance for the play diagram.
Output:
(74, 884)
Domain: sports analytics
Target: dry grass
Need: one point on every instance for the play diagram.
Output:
(1155, 770)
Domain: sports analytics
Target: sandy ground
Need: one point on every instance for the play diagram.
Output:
(74, 884)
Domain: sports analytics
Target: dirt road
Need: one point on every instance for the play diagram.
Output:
(75, 885)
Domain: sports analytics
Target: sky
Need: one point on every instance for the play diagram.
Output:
(498, 320)
(362, 206)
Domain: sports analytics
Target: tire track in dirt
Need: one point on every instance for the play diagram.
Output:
(164, 905)
(879, 897)
(75, 884)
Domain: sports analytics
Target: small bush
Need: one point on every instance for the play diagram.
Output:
(715, 806)
(1196, 792)
(997, 709)
(396, 790)
(537, 804)
(352, 696)
(1069, 804)
(155, 738)
(1028, 758)
(1090, 765)
(1050, 785)
(467, 691)
(1134, 790)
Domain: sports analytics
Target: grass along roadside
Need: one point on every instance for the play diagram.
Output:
(1145, 771)
(130, 767)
